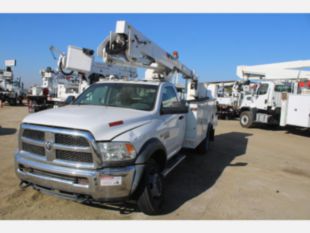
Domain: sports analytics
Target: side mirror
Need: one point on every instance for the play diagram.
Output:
(176, 108)
(70, 100)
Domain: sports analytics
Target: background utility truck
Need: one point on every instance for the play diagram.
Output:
(58, 85)
(43, 97)
(11, 89)
(119, 138)
(282, 96)
(228, 95)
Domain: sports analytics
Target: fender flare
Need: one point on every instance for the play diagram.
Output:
(252, 110)
(148, 149)
(145, 153)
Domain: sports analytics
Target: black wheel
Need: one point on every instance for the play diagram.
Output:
(246, 119)
(204, 146)
(151, 197)
(12, 102)
(20, 100)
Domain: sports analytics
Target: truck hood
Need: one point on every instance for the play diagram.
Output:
(94, 119)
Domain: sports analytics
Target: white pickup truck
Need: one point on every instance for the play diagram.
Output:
(115, 142)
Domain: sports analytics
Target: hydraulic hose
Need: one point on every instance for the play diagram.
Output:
(62, 71)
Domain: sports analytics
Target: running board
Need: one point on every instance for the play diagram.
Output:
(172, 163)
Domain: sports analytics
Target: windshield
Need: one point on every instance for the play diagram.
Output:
(123, 95)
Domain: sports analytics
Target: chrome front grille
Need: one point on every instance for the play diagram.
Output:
(34, 134)
(74, 156)
(38, 150)
(54, 144)
(70, 140)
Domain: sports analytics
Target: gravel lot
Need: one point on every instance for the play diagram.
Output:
(255, 173)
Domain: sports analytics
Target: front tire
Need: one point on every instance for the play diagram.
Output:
(246, 119)
(151, 199)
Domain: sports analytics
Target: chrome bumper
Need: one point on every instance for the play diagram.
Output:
(66, 180)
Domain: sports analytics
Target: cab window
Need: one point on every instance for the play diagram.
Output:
(169, 97)
(263, 88)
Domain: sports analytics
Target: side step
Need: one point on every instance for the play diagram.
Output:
(172, 163)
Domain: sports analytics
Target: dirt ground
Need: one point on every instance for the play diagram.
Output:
(248, 174)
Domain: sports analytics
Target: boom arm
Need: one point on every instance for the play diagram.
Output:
(128, 47)
(276, 71)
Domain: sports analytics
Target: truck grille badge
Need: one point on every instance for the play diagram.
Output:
(48, 145)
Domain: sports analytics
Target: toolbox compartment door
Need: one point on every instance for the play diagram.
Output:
(298, 110)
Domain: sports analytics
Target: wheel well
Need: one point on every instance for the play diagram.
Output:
(160, 157)
(244, 109)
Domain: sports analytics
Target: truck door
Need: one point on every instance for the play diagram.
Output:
(173, 131)
(261, 101)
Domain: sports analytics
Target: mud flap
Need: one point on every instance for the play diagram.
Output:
(212, 132)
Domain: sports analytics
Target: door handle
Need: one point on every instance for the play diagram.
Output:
(181, 117)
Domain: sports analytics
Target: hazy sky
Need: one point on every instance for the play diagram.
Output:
(211, 44)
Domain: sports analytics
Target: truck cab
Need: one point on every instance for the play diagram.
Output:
(264, 104)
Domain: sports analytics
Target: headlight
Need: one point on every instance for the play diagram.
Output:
(116, 151)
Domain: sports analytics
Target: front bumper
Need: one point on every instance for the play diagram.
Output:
(75, 182)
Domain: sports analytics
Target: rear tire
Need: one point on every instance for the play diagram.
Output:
(151, 198)
(12, 102)
(246, 119)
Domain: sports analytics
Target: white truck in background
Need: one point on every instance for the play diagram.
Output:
(46, 96)
(228, 95)
(58, 85)
(11, 89)
(119, 138)
(282, 95)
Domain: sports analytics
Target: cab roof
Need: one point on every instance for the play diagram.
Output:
(147, 82)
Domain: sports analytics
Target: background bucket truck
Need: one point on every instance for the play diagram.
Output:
(11, 90)
(58, 85)
(281, 97)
